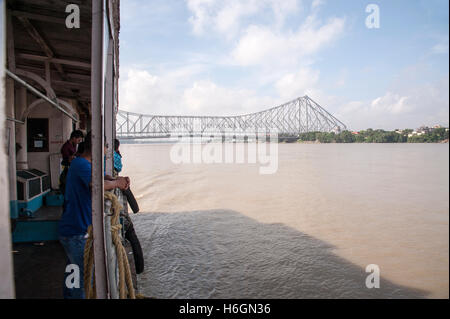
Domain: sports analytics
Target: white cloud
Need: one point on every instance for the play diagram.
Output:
(283, 9)
(293, 85)
(227, 20)
(175, 94)
(283, 55)
(207, 98)
(201, 14)
(391, 103)
(226, 16)
(316, 3)
(261, 45)
(423, 105)
(145, 93)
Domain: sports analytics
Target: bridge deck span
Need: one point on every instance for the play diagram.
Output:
(289, 119)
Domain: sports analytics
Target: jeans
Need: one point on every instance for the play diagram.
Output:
(74, 248)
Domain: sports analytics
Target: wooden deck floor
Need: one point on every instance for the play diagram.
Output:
(39, 270)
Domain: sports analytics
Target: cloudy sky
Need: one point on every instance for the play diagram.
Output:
(231, 57)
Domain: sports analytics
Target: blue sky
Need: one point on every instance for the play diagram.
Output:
(230, 57)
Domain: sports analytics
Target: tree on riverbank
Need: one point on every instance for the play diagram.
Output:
(376, 136)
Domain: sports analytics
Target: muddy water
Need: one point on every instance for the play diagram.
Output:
(307, 231)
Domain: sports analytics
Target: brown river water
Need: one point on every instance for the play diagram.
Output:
(309, 230)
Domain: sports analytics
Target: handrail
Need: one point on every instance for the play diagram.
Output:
(43, 96)
(14, 120)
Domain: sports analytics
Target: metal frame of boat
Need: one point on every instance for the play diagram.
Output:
(68, 77)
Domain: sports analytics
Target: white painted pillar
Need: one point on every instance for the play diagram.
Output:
(97, 123)
(21, 129)
(11, 142)
(10, 125)
(109, 109)
(6, 264)
(67, 125)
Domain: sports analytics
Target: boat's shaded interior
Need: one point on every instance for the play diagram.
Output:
(56, 61)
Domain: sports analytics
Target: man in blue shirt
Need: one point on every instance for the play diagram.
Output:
(77, 215)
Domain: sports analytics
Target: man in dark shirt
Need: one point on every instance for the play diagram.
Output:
(69, 148)
(77, 215)
(68, 151)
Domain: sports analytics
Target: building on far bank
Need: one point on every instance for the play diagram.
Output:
(425, 130)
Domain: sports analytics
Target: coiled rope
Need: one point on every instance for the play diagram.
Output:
(125, 279)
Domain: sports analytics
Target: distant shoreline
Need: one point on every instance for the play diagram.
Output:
(125, 142)
(421, 135)
(318, 142)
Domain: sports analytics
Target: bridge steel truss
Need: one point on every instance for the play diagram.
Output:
(290, 119)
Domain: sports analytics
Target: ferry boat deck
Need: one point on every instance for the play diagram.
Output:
(57, 77)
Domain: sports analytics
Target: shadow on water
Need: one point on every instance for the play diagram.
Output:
(224, 254)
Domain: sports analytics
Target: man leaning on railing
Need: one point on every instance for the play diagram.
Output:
(77, 214)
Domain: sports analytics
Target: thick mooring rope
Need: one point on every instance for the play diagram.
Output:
(89, 266)
(125, 278)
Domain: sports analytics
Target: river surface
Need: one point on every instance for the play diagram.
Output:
(307, 231)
